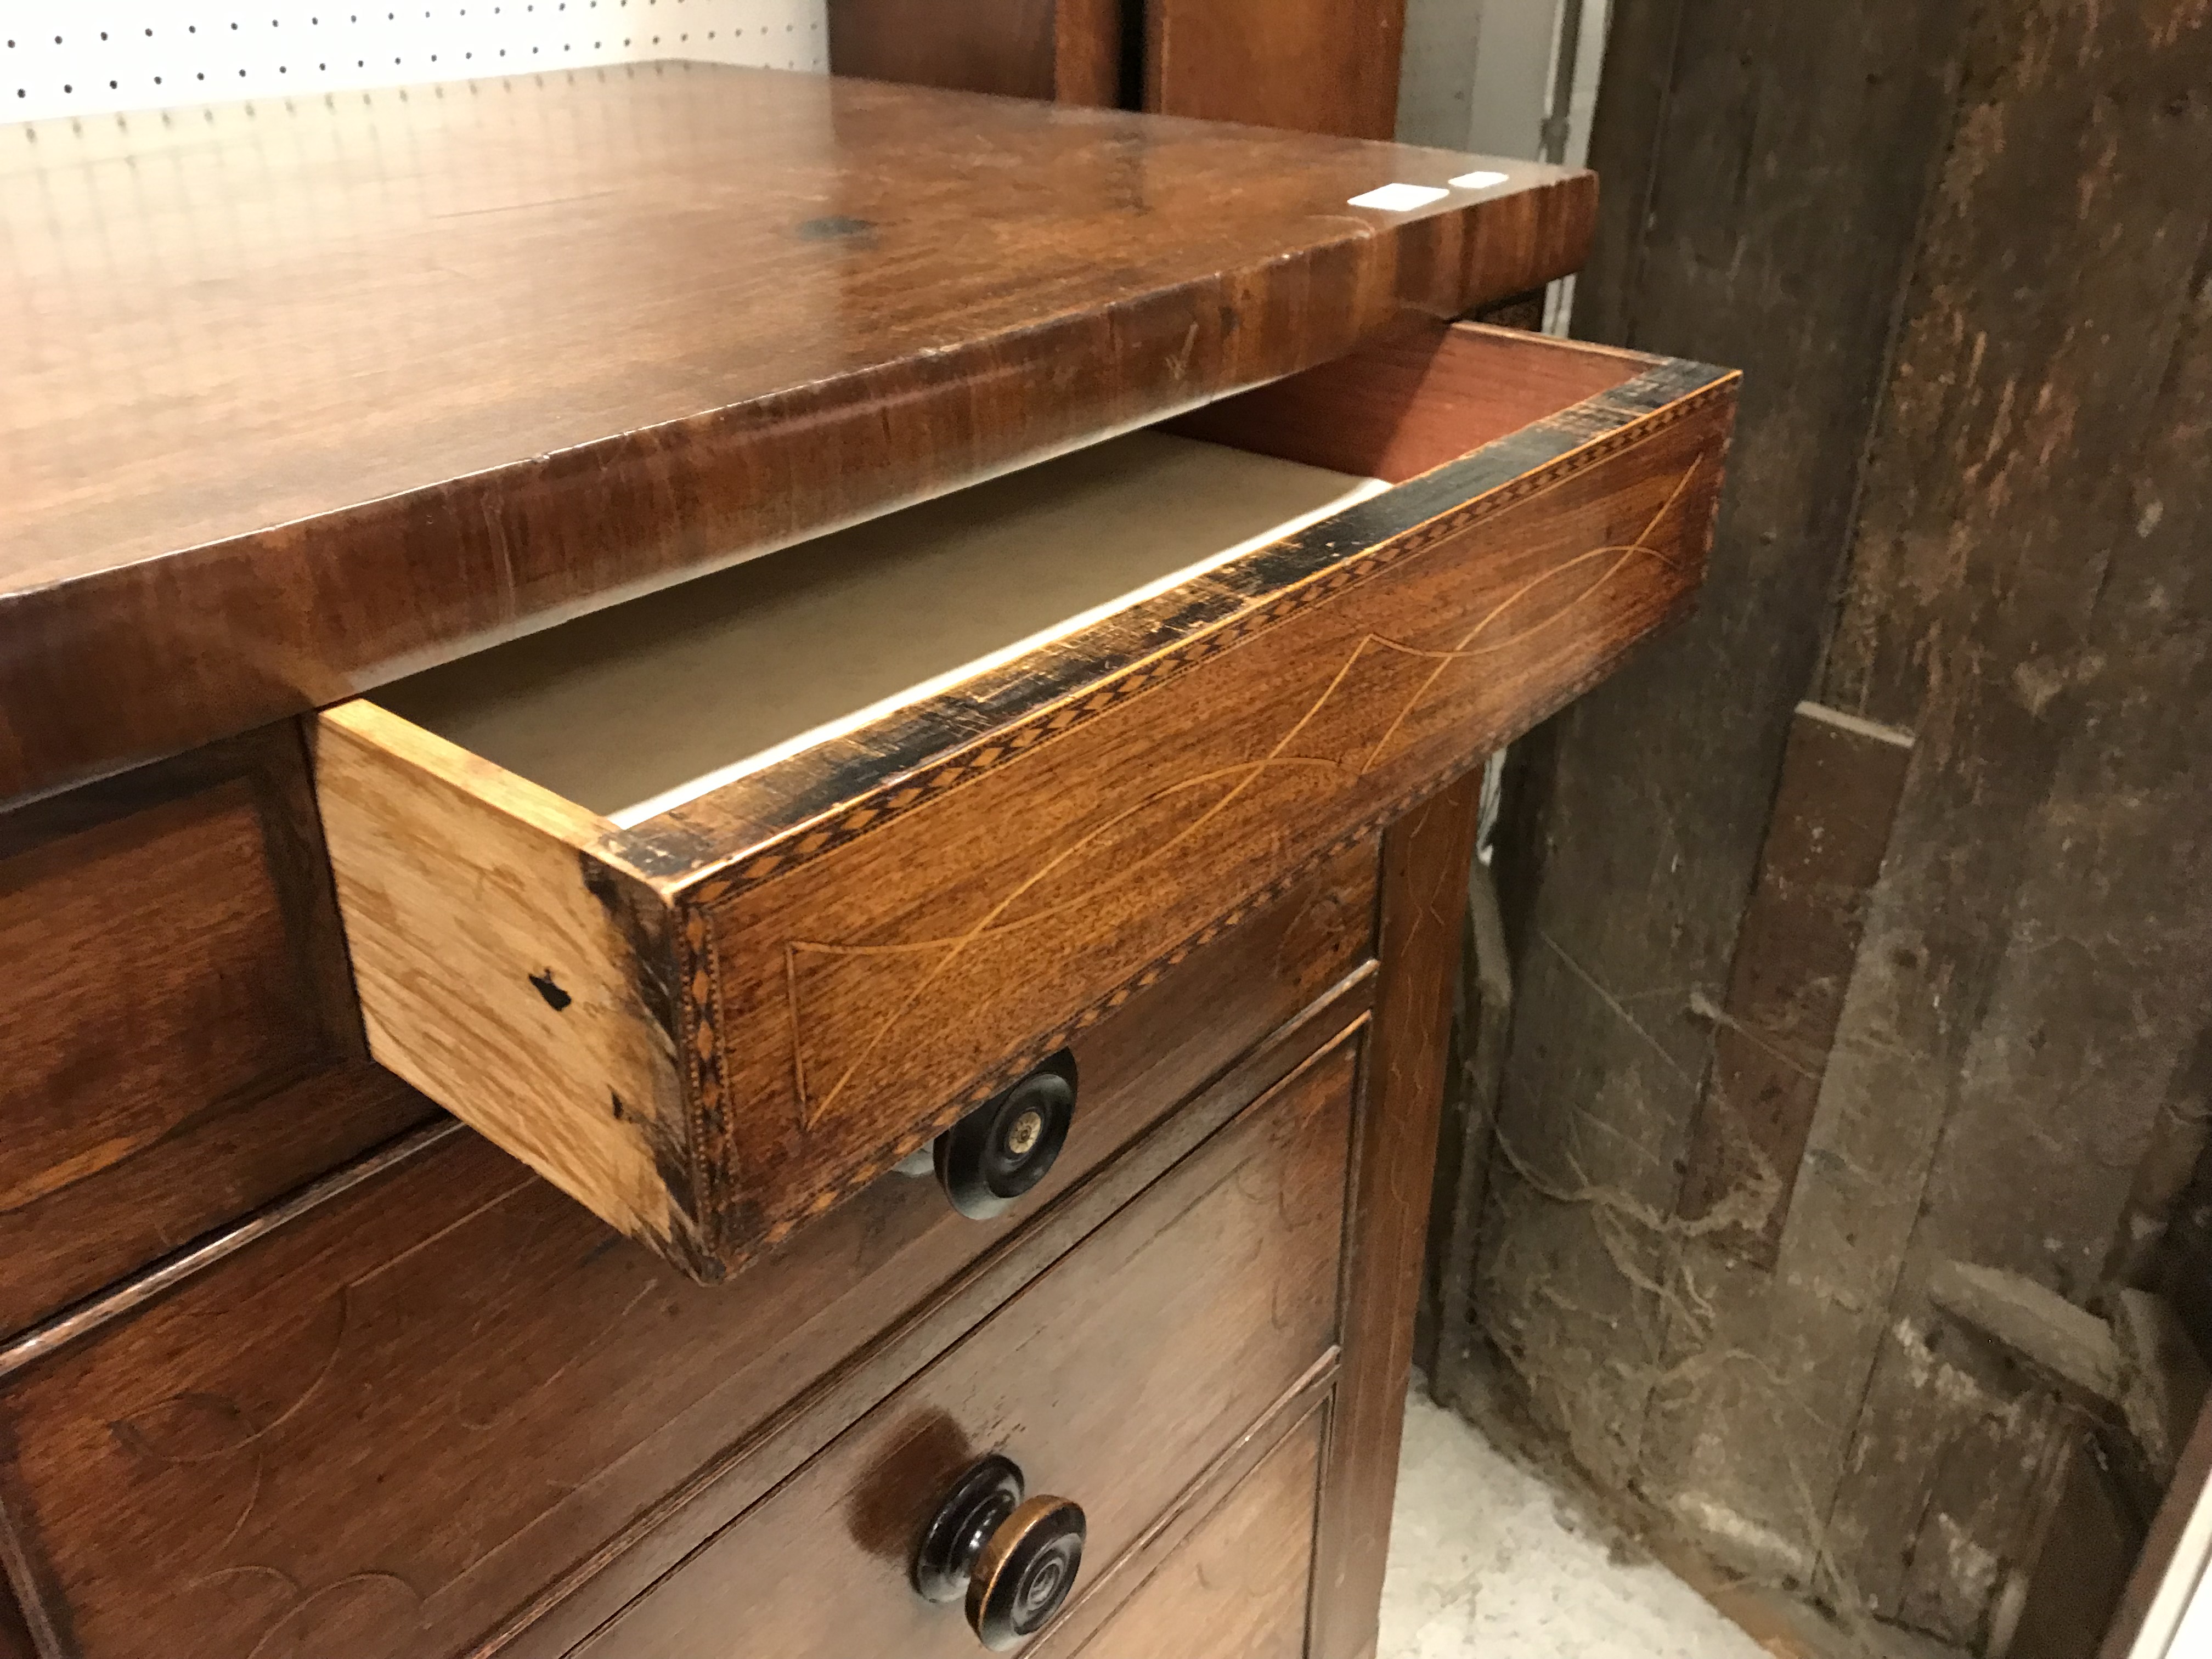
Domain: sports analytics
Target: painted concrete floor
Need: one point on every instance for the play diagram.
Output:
(1485, 1563)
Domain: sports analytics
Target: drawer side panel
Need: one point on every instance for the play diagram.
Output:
(506, 972)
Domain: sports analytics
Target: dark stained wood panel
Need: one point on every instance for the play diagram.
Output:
(1994, 402)
(1317, 65)
(513, 1392)
(1113, 1380)
(1236, 1588)
(458, 360)
(1841, 777)
(182, 1043)
(1068, 50)
(2030, 595)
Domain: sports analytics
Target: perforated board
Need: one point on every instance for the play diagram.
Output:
(61, 59)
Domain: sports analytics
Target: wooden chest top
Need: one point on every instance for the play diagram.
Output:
(297, 396)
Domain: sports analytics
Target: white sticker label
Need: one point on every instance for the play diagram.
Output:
(1399, 199)
(1478, 180)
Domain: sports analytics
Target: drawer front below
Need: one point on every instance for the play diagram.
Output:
(1114, 1380)
(185, 1046)
(1236, 1588)
(381, 1430)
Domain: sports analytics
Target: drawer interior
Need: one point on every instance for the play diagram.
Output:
(635, 710)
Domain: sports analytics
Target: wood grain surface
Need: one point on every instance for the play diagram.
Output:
(182, 1042)
(456, 361)
(1984, 431)
(1833, 806)
(1113, 1380)
(546, 1011)
(1236, 1588)
(519, 1404)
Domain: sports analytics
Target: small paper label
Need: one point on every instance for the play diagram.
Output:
(1478, 180)
(1399, 199)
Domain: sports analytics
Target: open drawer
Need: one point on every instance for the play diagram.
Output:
(715, 906)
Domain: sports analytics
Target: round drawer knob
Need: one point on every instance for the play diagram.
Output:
(1013, 1560)
(1009, 1143)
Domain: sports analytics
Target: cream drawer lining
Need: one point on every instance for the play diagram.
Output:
(633, 711)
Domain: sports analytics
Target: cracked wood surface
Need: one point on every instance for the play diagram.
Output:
(2026, 596)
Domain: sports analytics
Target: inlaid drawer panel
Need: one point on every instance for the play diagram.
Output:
(382, 1431)
(714, 907)
(1114, 1380)
(180, 1038)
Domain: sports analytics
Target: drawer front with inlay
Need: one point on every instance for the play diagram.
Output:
(383, 1430)
(1112, 1382)
(715, 1011)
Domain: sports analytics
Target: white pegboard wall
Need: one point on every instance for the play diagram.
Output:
(94, 57)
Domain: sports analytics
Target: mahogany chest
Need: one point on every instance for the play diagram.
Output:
(739, 805)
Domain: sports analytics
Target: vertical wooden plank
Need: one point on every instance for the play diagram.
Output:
(1067, 50)
(2030, 594)
(2015, 466)
(1841, 777)
(1744, 143)
(1087, 51)
(1315, 65)
(1423, 896)
(2191, 1485)
(2068, 1586)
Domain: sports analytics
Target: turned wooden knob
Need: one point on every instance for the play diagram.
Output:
(1008, 1144)
(1013, 1560)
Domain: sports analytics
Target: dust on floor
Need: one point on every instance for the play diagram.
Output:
(1485, 1563)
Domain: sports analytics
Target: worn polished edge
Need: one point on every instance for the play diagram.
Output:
(51, 1336)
